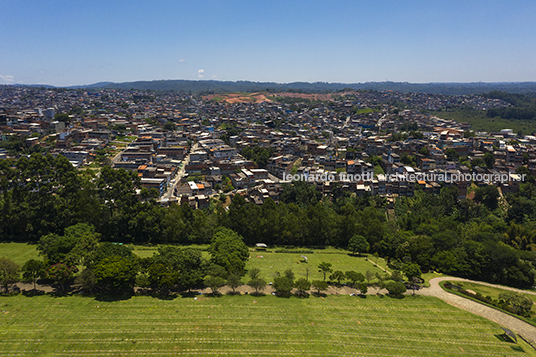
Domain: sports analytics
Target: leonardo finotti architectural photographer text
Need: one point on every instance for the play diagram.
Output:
(410, 177)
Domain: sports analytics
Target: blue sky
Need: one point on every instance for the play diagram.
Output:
(82, 42)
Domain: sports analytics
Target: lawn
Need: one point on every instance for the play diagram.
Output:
(268, 262)
(246, 325)
(271, 262)
(480, 122)
(429, 276)
(19, 252)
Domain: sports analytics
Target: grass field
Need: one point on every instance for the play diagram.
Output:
(268, 262)
(246, 325)
(19, 252)
(429, 276)
(480, 122)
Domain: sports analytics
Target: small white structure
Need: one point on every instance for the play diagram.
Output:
(261, 246)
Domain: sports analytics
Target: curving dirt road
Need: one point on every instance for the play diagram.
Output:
(522, 328)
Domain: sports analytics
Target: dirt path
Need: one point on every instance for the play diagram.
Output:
(522, 328)
(376, 264)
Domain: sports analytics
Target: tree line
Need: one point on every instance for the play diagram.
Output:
(104, 268)
(484, 238)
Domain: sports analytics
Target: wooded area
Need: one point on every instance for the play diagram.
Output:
(486, 238)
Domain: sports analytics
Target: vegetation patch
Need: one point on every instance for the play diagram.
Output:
(508, 302)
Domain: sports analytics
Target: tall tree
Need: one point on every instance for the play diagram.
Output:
(228, 250)
(116, 275)
(32, 270)
(9, 273)
(359, 244)
(325, 268)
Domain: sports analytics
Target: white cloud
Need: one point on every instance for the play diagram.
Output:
(214, 76)
(7, 78)
(182, 60)
(201, 73)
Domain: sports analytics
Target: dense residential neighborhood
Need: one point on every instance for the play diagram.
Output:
(189, 147)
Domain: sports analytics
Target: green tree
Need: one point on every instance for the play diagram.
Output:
(519, 303)
(214, 283)
(254, 273)
(61, 274)
(359, 244)
(228, 250)
(116, 275)
(452, 155)
(87, 280)
(319, 285)
(86, 240)
(302, 285)
(256, 282)
(363, 288)
(234, 281)
(185, 265)
(32, 270)
(489, 160)
(105, 250)
(369, 276)
(395, 288)
(162, 276)
(289, 274)
(396, 275)
(56, 248)
(488, 196)
(283, 286)
(337, 275)
(75, 247)
(354, 277)
(424, 151)
(170, 126)
(412, 271)
(9, 273)
(381, 279)
(325, 268)
(62, 117)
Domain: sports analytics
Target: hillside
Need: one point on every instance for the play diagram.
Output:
(211, 86)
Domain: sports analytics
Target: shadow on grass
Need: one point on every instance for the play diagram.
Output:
(504, 338)
(320, 295)
(190, 294)
(302, 295)
(163, 296)
(214, 294)
(33, 292)
(257, 294)
(112, 298)
(398, 297)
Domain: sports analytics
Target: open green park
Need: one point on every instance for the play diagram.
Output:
(375, 325)
(269, 262)
(246, 325)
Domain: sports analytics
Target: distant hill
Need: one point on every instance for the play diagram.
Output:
(212, 86)
(34, 85)
(95, 85)
(317, 87)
